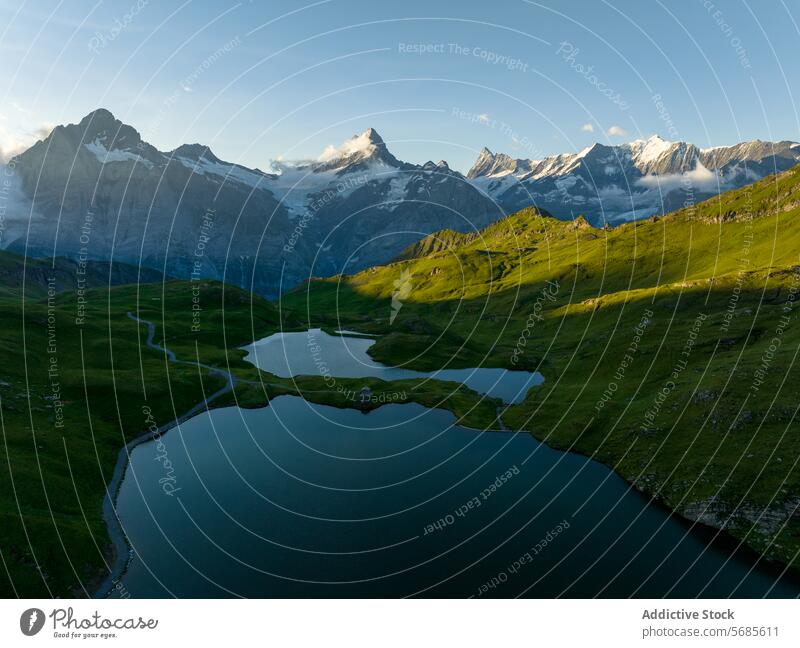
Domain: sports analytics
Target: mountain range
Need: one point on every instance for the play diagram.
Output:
(613, 184)
(96, 190)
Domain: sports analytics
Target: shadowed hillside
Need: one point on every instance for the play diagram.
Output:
(669, 346)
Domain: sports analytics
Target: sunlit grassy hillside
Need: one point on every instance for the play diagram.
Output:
(669, 346)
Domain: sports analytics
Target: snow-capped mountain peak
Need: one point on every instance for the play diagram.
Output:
(494, 165)
(101, 125)
(366, 147)
(615, 183)
(650, 150)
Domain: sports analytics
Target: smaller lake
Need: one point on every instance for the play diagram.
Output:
(315, 353)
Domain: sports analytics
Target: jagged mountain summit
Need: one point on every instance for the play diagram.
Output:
(611, 184)
(97, 190)
(365, 148)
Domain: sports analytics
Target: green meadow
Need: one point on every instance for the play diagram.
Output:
(77, 387)
(668, 347)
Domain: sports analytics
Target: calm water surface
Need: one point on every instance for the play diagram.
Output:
(304, 500)
(314, 352)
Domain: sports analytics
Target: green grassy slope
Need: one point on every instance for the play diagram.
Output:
(33, 276)
(53, 470)
(73, 392)
(669, 346)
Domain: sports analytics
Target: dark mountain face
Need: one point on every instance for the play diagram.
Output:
(391, 208)
(97, 190)
(610, 184)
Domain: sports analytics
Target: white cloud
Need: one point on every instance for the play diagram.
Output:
(9, 147)
(617, 131)
(699, 178)
(588, 128)
(357, 144)
(40, 133)
(483, 118)
(12, 144)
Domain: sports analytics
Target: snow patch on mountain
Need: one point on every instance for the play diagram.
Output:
(397, 192)
(229, 172)
(304, 187)
(104, 155)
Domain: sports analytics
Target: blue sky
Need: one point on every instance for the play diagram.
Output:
(438, 80)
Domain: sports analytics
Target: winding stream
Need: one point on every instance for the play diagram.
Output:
(297, 499)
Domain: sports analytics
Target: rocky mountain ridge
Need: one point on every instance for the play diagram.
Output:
(612, 184)
(96, 190)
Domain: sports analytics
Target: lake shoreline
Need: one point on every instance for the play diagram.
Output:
(121, 549)
(713, 536)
